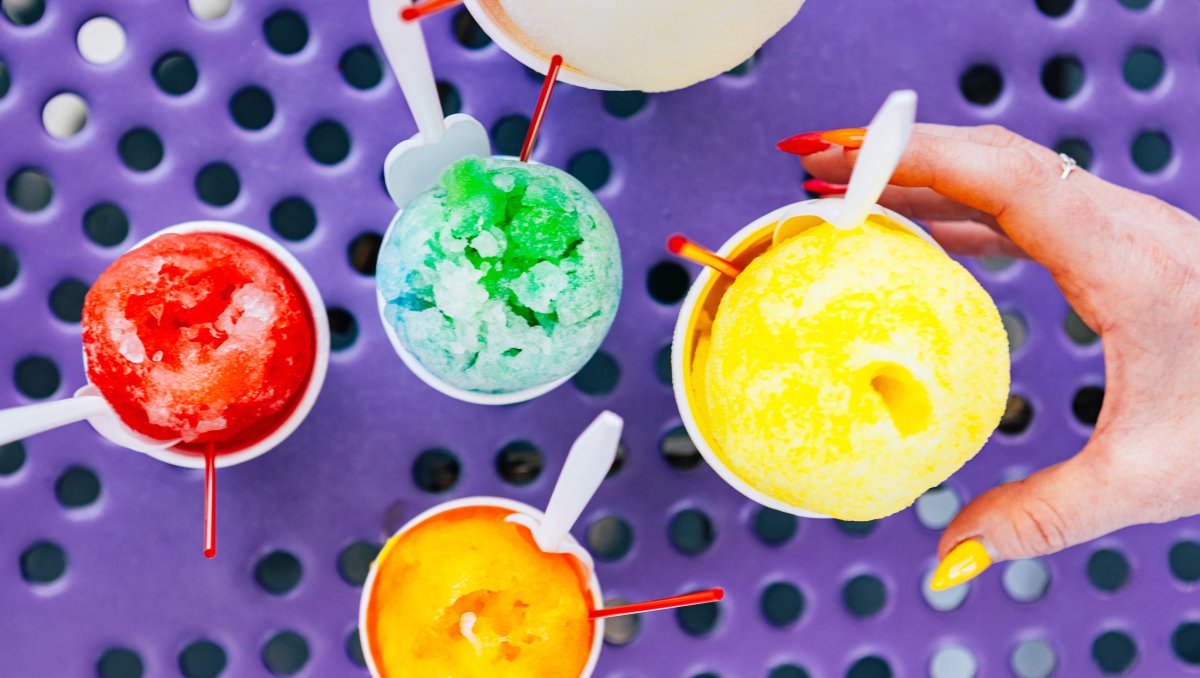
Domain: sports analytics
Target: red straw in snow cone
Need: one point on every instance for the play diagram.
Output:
(682, 247)
(423, 9)
(210, 502)
(539, 112)
(695, 598)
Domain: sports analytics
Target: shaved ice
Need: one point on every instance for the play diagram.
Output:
(198, 336)
(504, 276)
(649, 45)
(849, 371)
(467, 594)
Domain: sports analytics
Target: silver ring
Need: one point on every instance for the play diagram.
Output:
(1068, 165)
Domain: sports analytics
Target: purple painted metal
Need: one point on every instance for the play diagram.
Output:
(699, 161)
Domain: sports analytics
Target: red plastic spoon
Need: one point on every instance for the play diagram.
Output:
(694, 598)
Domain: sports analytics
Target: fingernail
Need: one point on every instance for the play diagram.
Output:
(850, 137)
(803, 144)
(964, 562)
(824, 187)
(815, 142)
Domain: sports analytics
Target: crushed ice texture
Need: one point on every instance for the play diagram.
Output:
(504, 276)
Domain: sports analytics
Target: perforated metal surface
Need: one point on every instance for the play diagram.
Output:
(699, 161)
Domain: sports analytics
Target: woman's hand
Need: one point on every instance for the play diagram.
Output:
(1130, 266)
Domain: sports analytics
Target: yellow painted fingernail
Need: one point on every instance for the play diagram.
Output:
(961, 565)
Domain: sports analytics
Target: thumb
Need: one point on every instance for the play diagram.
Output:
(1063, 505)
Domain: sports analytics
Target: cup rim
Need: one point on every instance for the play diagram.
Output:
(436, 383)
(466, 502)
(320, 366)
(683, 328)
(517, 50)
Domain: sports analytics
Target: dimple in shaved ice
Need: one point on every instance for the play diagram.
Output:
(503, 276)
(198, 336)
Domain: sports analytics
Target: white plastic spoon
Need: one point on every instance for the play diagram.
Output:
(587, 464)
(415, 164)
(887, 137)
(21, 422)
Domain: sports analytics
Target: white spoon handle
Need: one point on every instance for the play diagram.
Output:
(404, 44)
(588, 462)
(886, 139)
(21, 422)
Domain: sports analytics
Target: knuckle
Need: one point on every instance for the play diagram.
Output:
(995, 135)
(1040, 528)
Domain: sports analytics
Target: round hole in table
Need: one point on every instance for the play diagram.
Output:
(1108, 570)
(286, 653)
(354, 561)
(29, 189)
(77, 487)
(519, 463)
(119, 662)
(678, 450)
(781, 604)
(43, 562)
(140, 149)
(175, 73)
(66, 300)
(1114, 652)
(278, 572)
(105, 224)
(610, 538)
(286, 32)
(202, 659)
(252, 108)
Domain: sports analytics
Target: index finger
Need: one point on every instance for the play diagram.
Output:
(1046, 217)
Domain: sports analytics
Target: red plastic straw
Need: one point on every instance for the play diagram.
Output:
(210, 502)
(535, 123)
(424, 9)
(681, 246)
(696, 598)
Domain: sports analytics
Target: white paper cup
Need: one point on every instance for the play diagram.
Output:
(504, 33)
(435, 382)
(316, 378)
(700, 306)
(572, 547)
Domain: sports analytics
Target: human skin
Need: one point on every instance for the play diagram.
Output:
(1130, 266)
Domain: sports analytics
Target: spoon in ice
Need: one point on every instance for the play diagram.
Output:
(887, 136)
(415, 164)
(587, 464)
(87, 403)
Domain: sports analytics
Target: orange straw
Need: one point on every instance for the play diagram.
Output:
(696, 598)
(210, 502)
(539, 112)
(424, 9)
(681, 246)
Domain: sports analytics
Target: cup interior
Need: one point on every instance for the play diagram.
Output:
(496, 502)
(277, 428)
(694, 326)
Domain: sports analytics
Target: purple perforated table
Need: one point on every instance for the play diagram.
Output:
(136, 591)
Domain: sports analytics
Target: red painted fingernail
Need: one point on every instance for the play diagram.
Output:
(850, 137)
(803, 144)
(824, 187)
